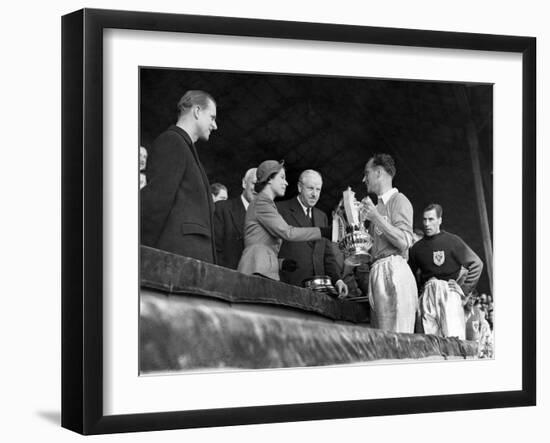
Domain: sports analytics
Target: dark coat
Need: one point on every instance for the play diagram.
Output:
(229, 231)
(313, 257)
(176, 205)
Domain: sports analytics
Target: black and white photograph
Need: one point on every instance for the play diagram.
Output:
(276, 221)
(292, 221)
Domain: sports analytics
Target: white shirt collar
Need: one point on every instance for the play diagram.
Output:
(304, 208)
(385, 197)
(245, 203)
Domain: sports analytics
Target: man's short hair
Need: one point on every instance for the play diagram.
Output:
(384, 161)
(248, 175)
(215, 188)
(434, 206)
(308, 172)
(192, 98)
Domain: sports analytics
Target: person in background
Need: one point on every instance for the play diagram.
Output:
(491, 318)
(176, 205)
(477, 327)
(142, 166)
(219, 192)
(392, 287)
(313, 257)
(229, 223)
(472, 319)
(265, 229)
(437, 260)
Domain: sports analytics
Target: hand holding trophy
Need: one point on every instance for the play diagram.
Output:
(348, 228)
(367, 209)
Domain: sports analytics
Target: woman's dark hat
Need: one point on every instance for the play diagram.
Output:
(267, 168)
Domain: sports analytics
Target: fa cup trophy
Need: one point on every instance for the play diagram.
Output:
(348, 230)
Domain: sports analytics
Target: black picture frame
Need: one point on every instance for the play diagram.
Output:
(82, 218)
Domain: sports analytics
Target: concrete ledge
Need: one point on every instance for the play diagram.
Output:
(180, 333)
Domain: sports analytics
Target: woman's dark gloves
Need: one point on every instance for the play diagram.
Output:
(326, 232)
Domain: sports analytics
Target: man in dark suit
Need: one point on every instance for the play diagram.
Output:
(229, 223)
(176, 205)
(313, 257)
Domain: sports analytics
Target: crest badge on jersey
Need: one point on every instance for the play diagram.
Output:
(439, 257)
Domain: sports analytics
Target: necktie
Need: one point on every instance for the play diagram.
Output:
(309, 215)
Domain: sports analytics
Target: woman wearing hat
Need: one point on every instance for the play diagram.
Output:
(265, 229)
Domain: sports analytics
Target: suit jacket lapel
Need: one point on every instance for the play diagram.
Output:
(301, 218)
(298, 214)
(317, 218)
(204, 177)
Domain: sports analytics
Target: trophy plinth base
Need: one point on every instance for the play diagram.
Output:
(320, 283)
